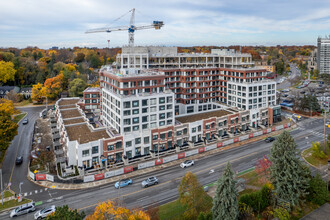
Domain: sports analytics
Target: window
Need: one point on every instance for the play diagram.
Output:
(162, 116)
(169, 99)
(111, 147)
(95, 149)
(127, 104)
(193, 130)
(155, 137)
(144, 110)
(153, 125)
(145, 126)
(129, 144)
(162, 136)
(178, 133)
(145, 119)
(127, 112)
(146, 150)
(135, 111)
(185, 131)
(127, 129)
(161, 107)
(161, 123)
(153, 101)
(95, 160)
(87, 101)
(169, 106)
(153, 109)
(153, 117)
(87, 96)
(169, 134)
(135, 104)
(136, 128)
(199, 128)
(146, 140)
(169, 114)
(136, 120)
(118, 145)
(137, 140)
(145, 102)
(161, 100)
(127, 121)
(169, 122)
(85, 153)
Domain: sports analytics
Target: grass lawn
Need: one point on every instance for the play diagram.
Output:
(22, 103)
(307, 154)
(171, 210)
(252, 178)
(7, 194)
(17, 118)
(13, 203)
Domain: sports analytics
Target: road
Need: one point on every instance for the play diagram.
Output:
(20, 146)
(294, 72)
(169, 178)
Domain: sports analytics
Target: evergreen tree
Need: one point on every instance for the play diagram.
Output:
(225, 203)
(289, 176)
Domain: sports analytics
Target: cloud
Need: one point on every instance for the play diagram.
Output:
(45, 23)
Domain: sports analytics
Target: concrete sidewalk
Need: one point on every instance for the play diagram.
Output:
(72, 186)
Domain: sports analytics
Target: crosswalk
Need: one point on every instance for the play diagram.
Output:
(316, 133)
(35, 192)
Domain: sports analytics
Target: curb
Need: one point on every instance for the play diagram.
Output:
(48, 184)
(301, 154)
(11, 208)
(23, 117)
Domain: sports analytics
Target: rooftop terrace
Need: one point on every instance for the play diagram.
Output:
(68, 102)
(83, 134)
(70, 113)
(201, 116)
(73, 121)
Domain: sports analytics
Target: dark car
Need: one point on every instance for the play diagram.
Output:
(19, 160)
(269, 139)
(25, 121)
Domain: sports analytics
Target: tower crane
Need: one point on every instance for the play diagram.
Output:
(131, 28)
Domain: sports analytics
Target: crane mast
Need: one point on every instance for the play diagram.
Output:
(131, 28)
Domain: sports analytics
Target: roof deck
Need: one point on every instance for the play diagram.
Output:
(68, 102)
(70, 113)
(83, 134)
(73, 121)
(201, 116)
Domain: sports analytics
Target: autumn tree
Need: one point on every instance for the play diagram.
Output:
(263, 170)
(76, 87)
(193, 196)
(8, 128)
(7, 71)
(288, 174)
(225, 203)
(7, 56)
(65, 213)
(38, 93)
(54, 86)
(108, 210)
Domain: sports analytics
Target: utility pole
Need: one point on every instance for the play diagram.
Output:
(325, 134)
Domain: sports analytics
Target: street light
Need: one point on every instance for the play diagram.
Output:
(20, 188)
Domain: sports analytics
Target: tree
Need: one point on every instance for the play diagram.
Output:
(76, 87)
(288, 175)
(7, 71)
(65, 213)
(54, 86)
(262, 169)
(80, 57)
(317, 191)
(225, 203)
(108, 210)
(38, 93)
(6, 56)
(7, 107)
(193, 196)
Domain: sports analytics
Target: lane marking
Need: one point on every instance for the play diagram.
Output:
(170, 181)
(36, 191)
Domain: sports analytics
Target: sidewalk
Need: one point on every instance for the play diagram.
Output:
(71, 186)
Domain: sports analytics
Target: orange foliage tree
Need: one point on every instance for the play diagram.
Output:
(54, 86)
(108, 210)
(262, 169)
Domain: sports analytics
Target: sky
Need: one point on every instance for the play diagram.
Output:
(62, 23)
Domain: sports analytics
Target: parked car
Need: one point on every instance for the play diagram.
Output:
(19, 160)
(25, 121)
(123, 183)
(296, 117)
(187, 163)
(23, 209)
(43, 213)
(149, 182)
(269, 139)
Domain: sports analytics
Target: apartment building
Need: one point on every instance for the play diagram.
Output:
(91, 99)
(323, 55)
(168, 57)
(268, 68)
(312, 61)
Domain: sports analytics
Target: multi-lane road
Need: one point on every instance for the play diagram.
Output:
(133, 196)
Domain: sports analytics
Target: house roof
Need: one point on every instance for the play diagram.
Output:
(27, 89)
(4, 89)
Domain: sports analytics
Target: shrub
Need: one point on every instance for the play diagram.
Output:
(281, 213)
(317, 192)
(259, 200)
(205, 216)
(317, 152)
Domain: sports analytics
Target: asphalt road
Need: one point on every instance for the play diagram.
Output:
(135, 196)
(20, 146)
(294, 72)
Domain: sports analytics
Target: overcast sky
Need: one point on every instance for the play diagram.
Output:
(47, 23)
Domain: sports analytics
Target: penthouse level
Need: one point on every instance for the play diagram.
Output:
(168, 57)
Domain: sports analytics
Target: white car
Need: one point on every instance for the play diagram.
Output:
(43, 213)
(187, 163)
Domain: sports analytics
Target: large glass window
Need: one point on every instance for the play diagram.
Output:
(146, 140)
(128, 143)
(135, 111)
(111, 147)
(95, 149)
(127, 104)
(135, 103)
(145, 102)
(161, 107)
(162, 100)
(137, 140)
(136, 120)
(85, 153)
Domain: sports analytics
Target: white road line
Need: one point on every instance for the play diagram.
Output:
(36, 191)
(41, 190)
(25, 194)
(30, 193)
(46, 189)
